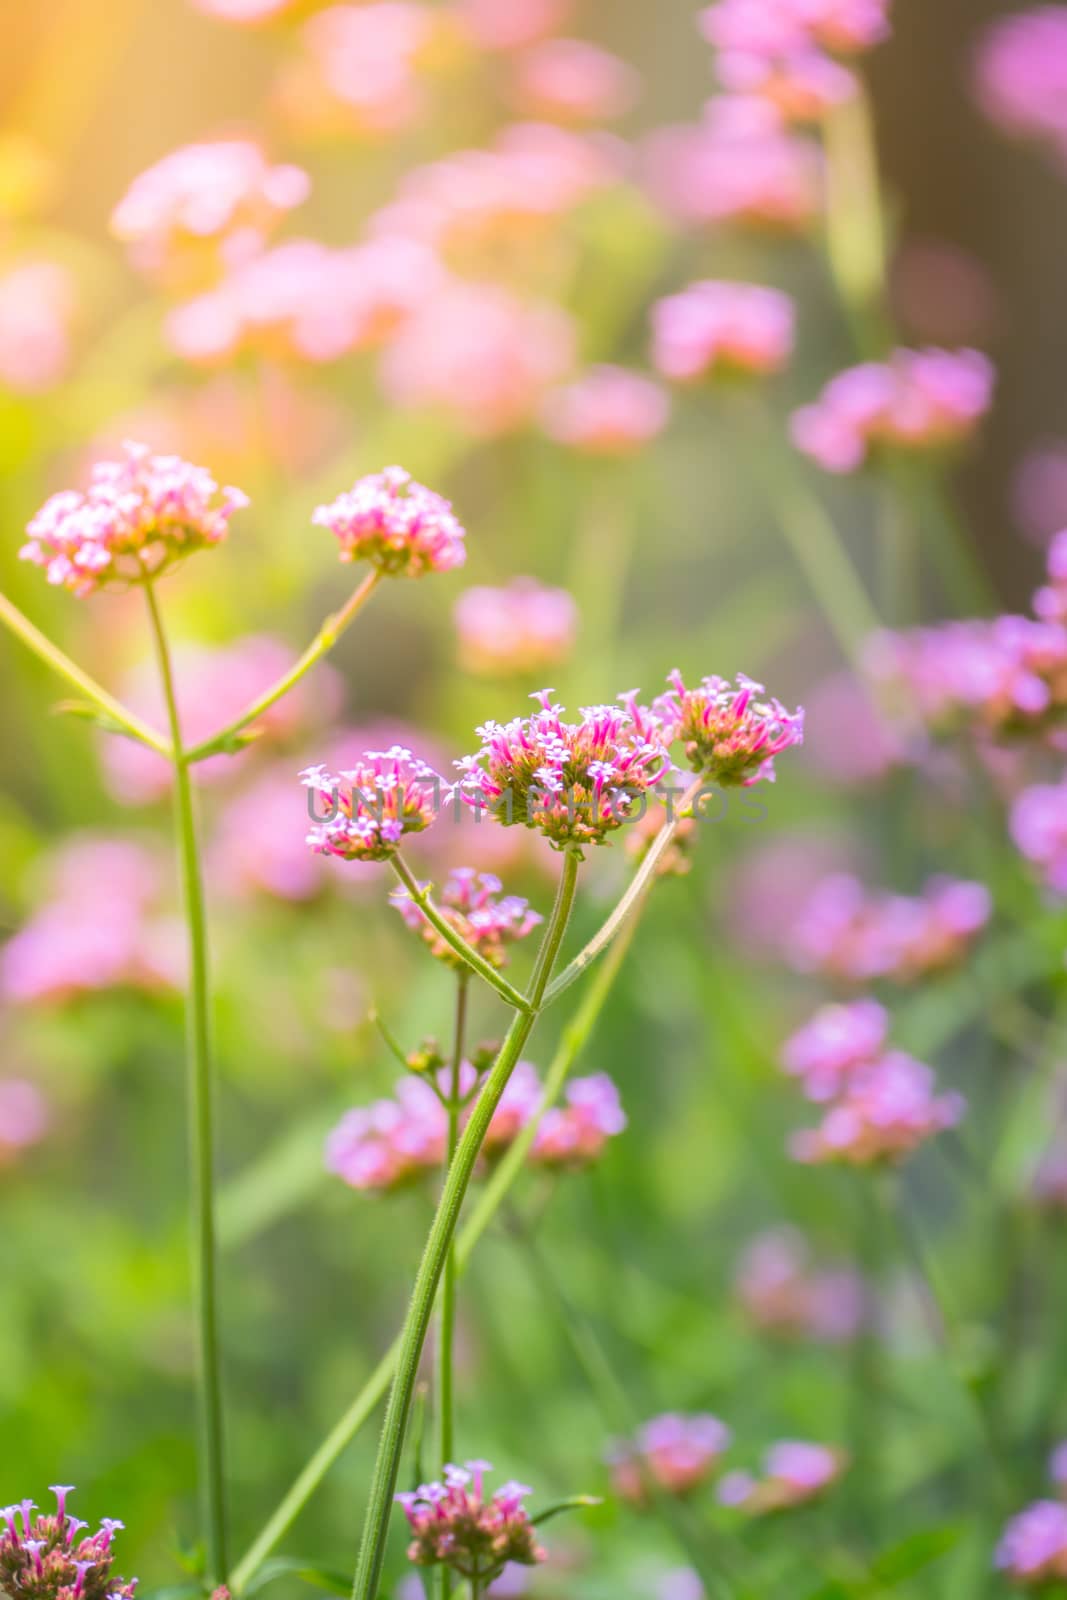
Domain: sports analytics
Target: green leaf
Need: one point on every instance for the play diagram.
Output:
(577, 1502)
(304, 1571)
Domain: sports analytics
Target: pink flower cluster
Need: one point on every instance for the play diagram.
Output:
(1050, 601)
(883, 1104)
(369, 809)
(98, 928)
(609, 411)
(672, 1453)
(37, 305)
(1021, 75)
(140, 516)
(1033, 1547)
(53, 1557)
(454, 1525)
(516, 25)
(473, 903)
(400, 527)
(794, 1473)
(731, 733)
(718, 329)
(850, 935)
(360, 67)
(520, 628)
(1039, 829)
(916, 400)
(23, 1117)
(784, 50)
(392, 1142)
(575, 1134)
(203, 205)
(575, 782)
(781, 1293)
(574, 81)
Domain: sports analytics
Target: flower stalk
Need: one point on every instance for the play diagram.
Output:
(421, 897)
(447, 1312)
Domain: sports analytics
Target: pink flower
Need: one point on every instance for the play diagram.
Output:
(524, 627)
(803, 87)
(403, 529)
(851, 737)
(917, 400)
(676, 1453)
(608, 412)
(359, 70)
(1021, 75)
(139, 517)
(781, 1293)
(781, 27)
(739, 165)
(474, 905)
(1057, 1465)
(512, 27)
(794, 1473)
(365, 813)
(518, 1105)
(730, 733)
(24, 1117)
(886, 1111)
(54, 1557)
(205, 203)
(713, 329)
(257, 848)
(454, 1525)
(392, 1142)
(838, 1041)
(1039, 829)
(1033, 1547)
(1050, 601)
(574, 81)
(37, 304)
(1039, 491)
(575, 1135)
(1048, 1184)
(846, 933)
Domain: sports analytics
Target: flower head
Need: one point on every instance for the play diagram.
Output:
(360, 68)
(1021, 75)
(574, 81)
(715, 329)
(730, 732)
(401, 528)
(454, 1525)
(474, 905)
(54, 1557)
(783, 50)
(392, 1142)
(574, 1135)
(675, 1453)
(794, 1473)
(608, 412)
(522, 627)
(1039, 829)
(1050, 601)
(887, 1109)
(372, 807)
(37, 306)
(846, 933)
(838, 1040)
(782, 1294)
(138, 518)
(1033, 1547)
(741, 165)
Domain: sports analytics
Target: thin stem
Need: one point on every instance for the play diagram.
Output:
(125, 721)
(447, 1314)
(855, 224)
(322, 643)
(201, 1125)
(421, 897)
(413, 1334)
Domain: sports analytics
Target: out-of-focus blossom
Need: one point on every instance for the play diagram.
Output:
(794, 1473)
(782, 27)
(730, 732)
(518, 1105)
(1057, 1466)
(473, 903)
(522, 627)
(574, 1135)
(1039, 491)
(259, 846)
(673, 1452)
(1050, 601)
(480, 353)
(306, 302)
(401, 528)
(203, 205)
(454, 1525)
(24, 1117)
(575, 782)
(392, 1142)
(139, 517)
(676, 860)
(212, 687)
(681, 1583)
(803, 87)
(849, 934)
(54, 1557)
(607, 412)
(37, 305)
(574, 81)
(917, 400)
(887, 1109)
(714, 329)
(740, 165)
(515, 25)
(772, 883)
(850, 737)
(943, 295)
(99, 927)
(838, 1040)
(1039, 829)
(366, 812)
(1033, 1547)
(1020, 75)
(782, 1293)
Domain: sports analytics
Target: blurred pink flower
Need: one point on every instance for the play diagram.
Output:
(918, 400)
(677, 1453)
(682, 1583)
(771, 885)
(1020, 75)
(521, 628)
(839, 1040)
(204, 205)
(717, 328)
(887, 1109)
(1033, 1547)
(398, 526)
(259, 844)
(24, 1117)
(1050, 601)
(474, 904)
(360, 68)
(392, 1142)
(782, 27)
(609, 411)
(852, 935)
(1039, 491)
(1039, 829)
(782, 1293)
(741, 165)
(851, 738)
(367, 811)
(802, 87)
(943, 295)
(575, 1134)
(37, 305)
(514, 25)
(574, 81)
(794, 1473)
(1057, 1465)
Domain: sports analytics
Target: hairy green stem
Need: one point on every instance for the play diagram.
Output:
(421, 897)
(201, 1127)
(413, 1334)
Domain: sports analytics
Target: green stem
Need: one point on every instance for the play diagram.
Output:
(125, 721)
(455, 941)
(413, 1334)
(446, 1324)
(322, 643)
(201, 1125)
(855, 224)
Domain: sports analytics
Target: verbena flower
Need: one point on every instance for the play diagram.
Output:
(37, 309)
(54, 1557)
(794, 1473)
(674, 1453)
(918, 400)
(575, 782)
(473, 903)
(1039, 828)
(138, 518)
(722, 329)
(838, 1040)
(1021, 75)
(516, 25)
(1050, 601)
(731, 733)
(1057, 1466)
(607, 412)
(781, 1292)
(400, 527)
(575, 1134)
(575, 82)
(852, 935)
(783, 50)
(523, 627)
(1033, 1547)
(24, 1117)
(393, 1141)
(887, 1109)
(454, 1525)
(360, 69)
(368, 810)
